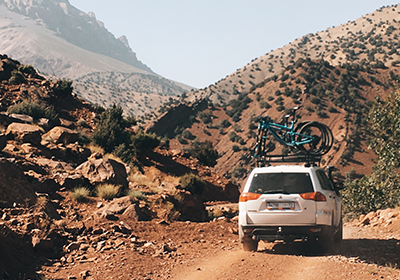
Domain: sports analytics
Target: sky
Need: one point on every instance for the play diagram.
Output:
(199, 42)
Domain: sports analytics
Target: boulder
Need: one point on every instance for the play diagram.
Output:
(104, 170)
(26, 133)
(60, 134)
(129, 207)
(71, 181)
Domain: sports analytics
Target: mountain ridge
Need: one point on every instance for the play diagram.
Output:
(334, 75)
(31, 34)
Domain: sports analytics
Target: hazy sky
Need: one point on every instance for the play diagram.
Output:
(198, 42)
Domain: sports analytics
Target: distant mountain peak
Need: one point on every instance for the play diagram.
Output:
(76, 27)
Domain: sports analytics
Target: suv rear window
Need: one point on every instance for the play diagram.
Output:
(290, 183)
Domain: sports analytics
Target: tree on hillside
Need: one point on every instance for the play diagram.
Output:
(204, 152)
(110, 131)
(382, 188)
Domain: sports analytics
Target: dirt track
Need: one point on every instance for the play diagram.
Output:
(185, 250)
(355, 259)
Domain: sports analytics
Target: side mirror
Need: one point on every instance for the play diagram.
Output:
(339, 185)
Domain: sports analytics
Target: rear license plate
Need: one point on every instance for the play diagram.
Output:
(280, 205)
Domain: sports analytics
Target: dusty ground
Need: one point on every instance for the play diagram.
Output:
(187, 250)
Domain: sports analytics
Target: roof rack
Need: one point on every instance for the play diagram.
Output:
(308, 159)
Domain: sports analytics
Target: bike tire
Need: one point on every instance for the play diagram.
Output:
(259, 150)
(323, 138)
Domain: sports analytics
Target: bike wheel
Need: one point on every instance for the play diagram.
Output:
(322, 138)
(260, 144)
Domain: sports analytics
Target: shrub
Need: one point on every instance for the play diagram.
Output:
(107, 191)
(192, 183)
(204, 152)
(34, 110)
(137, 194)
(145, 141)
(224, 123)
(27, 69)
(235, 148)
(264, 104)
(280, 108)
(126, 154)
(16, 77)
(238, 171)
(206, 117)
(65, 86)
(80, 194)
(187, 134)
(110, 131)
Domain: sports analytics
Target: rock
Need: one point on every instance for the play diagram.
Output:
(70, 181)
(42, 245)
(79, 153)
(104, 171)
(22, 118)
(72, 246)
(137, 213)
(84, 247)
(122, 229)
(115, 207)
(365, 221)
(84, 274)
(60, 134)
(26, 133)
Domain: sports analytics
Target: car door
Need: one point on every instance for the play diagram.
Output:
(331, 197)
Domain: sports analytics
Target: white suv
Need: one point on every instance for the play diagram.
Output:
(290, 202)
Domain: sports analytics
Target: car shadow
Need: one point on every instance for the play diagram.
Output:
(372, 251)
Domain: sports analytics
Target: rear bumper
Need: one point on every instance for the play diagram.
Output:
(287, 233)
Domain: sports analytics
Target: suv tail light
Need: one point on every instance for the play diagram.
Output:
(316, 196)
(248, 196)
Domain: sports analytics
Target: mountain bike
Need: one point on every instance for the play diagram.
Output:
(310, 138)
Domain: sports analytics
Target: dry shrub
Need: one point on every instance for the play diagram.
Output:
(107, 191)
(80, 194)
(95, 149)
(137, 194)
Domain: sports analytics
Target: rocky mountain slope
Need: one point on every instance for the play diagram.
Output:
(60, 40)
(45, 157)
(333, 75)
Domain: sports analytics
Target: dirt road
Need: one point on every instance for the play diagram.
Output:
(357, 258)
(186, 250)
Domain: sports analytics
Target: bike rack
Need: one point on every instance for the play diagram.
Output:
(309, 160)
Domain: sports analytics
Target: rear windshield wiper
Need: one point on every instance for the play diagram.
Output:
(275, 191)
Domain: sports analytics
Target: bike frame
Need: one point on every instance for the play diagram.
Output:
(273, 127)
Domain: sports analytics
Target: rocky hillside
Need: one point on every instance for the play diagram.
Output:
(333, 75)
(46, 160)
(60, 40)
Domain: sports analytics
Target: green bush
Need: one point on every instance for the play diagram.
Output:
(110, 131)
(16, 77)
(145, 141)
(192, 183)
(204, 152)
(206, 117)
(235, 148)
(381, 189)
(27, 69)
(34, 110)
(125, 153)
(224, 123)
(187, 134)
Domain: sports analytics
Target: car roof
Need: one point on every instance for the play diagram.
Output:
(285, 169)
